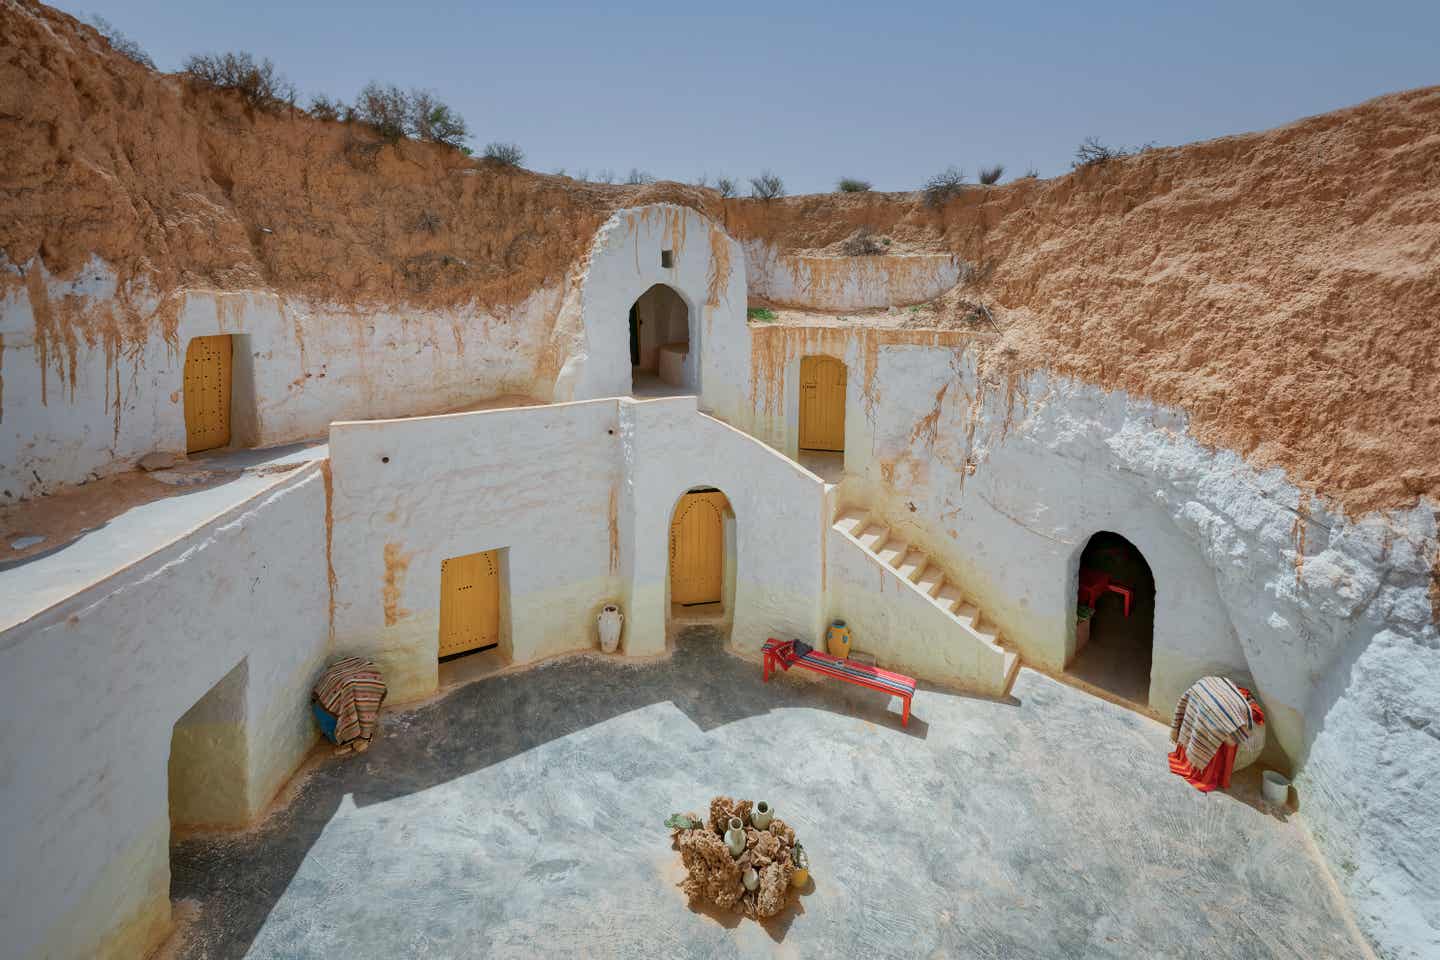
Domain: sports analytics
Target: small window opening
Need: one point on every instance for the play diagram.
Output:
(667, 259)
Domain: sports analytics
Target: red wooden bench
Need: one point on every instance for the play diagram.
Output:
(780, 653)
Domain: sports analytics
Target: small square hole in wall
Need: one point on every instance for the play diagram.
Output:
(667, 258)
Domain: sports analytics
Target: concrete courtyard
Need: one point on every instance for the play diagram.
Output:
(521, 815)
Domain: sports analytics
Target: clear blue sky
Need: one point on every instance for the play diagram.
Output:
(889, 92)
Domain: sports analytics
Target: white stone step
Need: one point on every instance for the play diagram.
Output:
(891, 551)
(910, 565)
(873, 536)
(851, 520)
(968, 614)
(930, 580)
(949, 597)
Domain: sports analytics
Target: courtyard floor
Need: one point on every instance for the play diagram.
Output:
(521, 815)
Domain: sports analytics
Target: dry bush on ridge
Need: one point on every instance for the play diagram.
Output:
(120, 43)
(433, 120)
(725, 186)
(505, 154)
(852, 185)
(939, 189)
(767, 186)
(257, 81)
(323, 108)
(990, 176)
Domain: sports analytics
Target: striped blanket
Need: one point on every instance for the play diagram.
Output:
(1214, 712)
(351, 691)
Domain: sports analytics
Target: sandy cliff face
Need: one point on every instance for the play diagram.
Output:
(183, 187)
(1283, 288)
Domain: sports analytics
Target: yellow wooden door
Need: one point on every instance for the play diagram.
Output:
(697, 548)
(822, 403)
(207, 393)
(469, 602)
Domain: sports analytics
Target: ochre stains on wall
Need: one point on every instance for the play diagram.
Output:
(329, 539)
(115, 325)
(835, 282)
(614, 521)
(1298, 532)
(1435, 589)
(396, 566)
(773, 347)
(926, 427)
(718, 279)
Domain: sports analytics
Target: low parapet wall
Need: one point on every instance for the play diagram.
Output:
(847, 283)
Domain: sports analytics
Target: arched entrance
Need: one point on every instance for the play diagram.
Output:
(701, 541)
(661, 358)
(1115, 618)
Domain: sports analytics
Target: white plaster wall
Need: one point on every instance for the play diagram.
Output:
(94, 409)
(90, 691)
(780, 518)
(847, 283)
(582, 495)
(708, 273)
(1329, 616)
(540, 481)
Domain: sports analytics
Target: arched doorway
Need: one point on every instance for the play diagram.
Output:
(1115, 618)
(661, 358)
(700, 568)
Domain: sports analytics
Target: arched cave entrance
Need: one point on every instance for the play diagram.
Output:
(1114, 645)
(661, 359)
(701, 567)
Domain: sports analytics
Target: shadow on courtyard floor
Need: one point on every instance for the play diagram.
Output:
(238, 878)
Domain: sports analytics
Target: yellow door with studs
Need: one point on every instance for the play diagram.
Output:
(207, 393)
(469, 602)
(822, 403)
(697, 548)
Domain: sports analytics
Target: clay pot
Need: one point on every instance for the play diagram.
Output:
(761, 816)
(837, 639)
(610, 621)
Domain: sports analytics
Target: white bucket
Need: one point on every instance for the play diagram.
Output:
(1275, 788)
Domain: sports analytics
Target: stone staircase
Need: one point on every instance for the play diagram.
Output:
(915, 570)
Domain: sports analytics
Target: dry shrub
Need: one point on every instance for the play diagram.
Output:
(939, 189)
(990, 176)
(767, 186)
(852, 185)
(120, 43)
(864, 242)
(256, 81)
(505, 154)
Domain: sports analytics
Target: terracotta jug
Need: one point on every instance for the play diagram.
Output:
(837, 639)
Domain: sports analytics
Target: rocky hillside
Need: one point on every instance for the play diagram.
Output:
(1283, 287)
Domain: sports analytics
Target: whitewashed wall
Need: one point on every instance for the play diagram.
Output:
(780, 518)
(847, 283)
(1329, 616)
(90, 691)
(541, 482)
(581, 495)
(97, 405)
(708, 273)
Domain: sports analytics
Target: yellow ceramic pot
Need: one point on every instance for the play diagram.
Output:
(837, 639)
